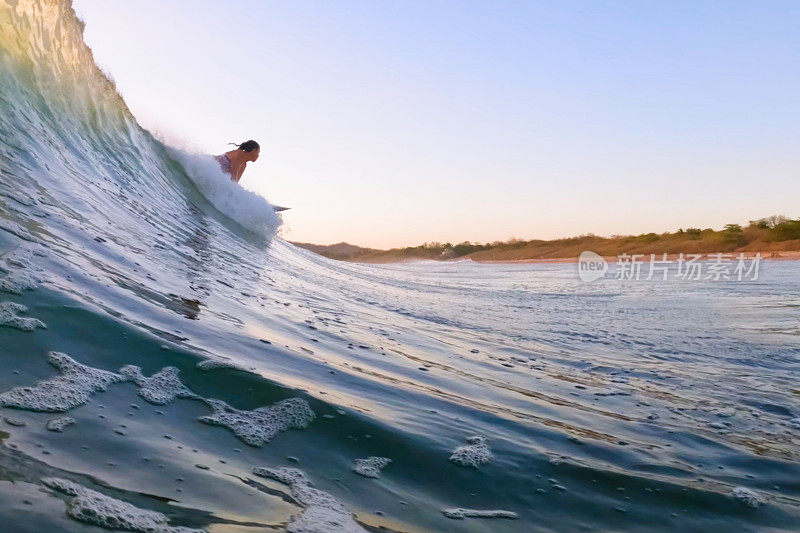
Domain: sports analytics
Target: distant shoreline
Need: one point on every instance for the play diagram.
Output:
(773, 237)
(765, 255)
(771, 255)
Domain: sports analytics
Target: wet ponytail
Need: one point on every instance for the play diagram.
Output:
(247, 146)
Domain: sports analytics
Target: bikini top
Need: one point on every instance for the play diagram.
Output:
(224, 163)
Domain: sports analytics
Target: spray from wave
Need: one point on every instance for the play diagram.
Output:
(248, 209)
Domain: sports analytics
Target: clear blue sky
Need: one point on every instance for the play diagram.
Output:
(394, 123)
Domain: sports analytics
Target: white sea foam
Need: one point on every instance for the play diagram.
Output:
(475, 454)
(244, 207)
(211, 364)
(371, 466)
(18, 262)
(286, 475)
(58, 424)
(459, 513)
(160, 388)
(9, 317)
(257, 427)
(21, 257)
(16, 229)
(323, 513)
(747, 497)
(72, 388)
(92, 507)
(18, 282)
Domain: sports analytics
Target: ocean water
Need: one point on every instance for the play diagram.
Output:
(168, 363)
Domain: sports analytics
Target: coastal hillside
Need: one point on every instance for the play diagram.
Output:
(775, 234)
(342, 251)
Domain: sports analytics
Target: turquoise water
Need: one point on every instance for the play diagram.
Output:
(605, 406)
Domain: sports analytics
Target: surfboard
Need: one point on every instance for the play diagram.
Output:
(279, 208)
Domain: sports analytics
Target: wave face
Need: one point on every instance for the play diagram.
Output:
(168, 364)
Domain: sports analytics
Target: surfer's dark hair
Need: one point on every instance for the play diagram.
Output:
(247, 146)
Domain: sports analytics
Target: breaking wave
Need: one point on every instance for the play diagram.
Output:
(167, 363)
(248, 209)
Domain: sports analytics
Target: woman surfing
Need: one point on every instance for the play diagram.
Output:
(235, 161)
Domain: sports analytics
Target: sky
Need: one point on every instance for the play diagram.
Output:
(395, 123)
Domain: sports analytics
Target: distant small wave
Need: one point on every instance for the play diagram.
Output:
(246, 208)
